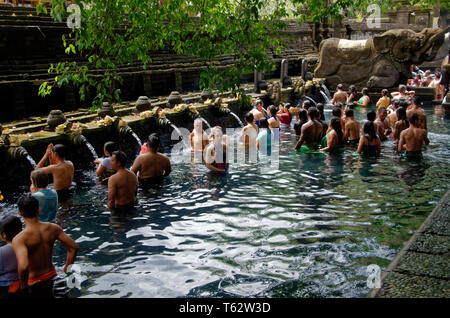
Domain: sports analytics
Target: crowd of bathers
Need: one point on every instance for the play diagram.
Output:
(26, 260)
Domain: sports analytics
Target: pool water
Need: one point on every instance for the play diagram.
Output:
(309, 229)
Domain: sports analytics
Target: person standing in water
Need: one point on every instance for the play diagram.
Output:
(384, 100)
(216, 152)
(416, 108)
(401, 124)
(258, 112)
(10, 226)
(369, 143)
(264, 139)
(351, 94)
(352, 128)
(340, 96)
(48, 198)
(335, 138)
(104, 169)
(364, 101)
(413, 138)
(303, 119)
(60, 168)
(311, 132)
(34, 250)
(122, 186)
(152, 164)
(248, 135)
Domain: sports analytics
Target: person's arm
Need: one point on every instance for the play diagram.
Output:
(301, 140)
(401, 142)
(209, 160)
(45, 157)
(242, 135)
(111, 193)
(69, 244)
(379, 102)
(378, 145)
(360, 145)
(21, 251)
(168, 168)
(393, 94)
(136, 166)
(100, 170)
(346, 131)
(425, 139)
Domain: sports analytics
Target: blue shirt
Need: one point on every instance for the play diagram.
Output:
(265, 135)
(8, 265)
(48, 204)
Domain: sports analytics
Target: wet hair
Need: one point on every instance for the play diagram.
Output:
(39, 178)
(11, 226)
(396, 103)
(61, 150)
(110, 147)
(259, 101)
(303, 114)
(371, 115)
(336, 125)
(417, 100)
(307, 104)
(120, 157)
(365, 91)
(263, 123)
(349, 113)
(415, 119)
(312, 112)
(340, 86)
(369, 130)
(353, 89)
(153, 141)
(337, 112)
(403, 103)
(249, 117)
(28, 206)
(272, 109)
(320, 109)
(402, 87)
(401, 115)
(287, 105)
(384, 92)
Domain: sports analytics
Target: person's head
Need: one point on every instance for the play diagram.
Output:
(427, 73)
(109, 148)
(429, 79)
(353, 90)
(418, 76)
(118, 160)
(415, 119)
(312, 113)
(335, 123)
(307, 104)
(39, 179)
(263, 123)
(371, 115)
(249, 118)
(198, 124)
(396, 104)
(340, 87)
(28, 206)
(437, 74)
(365, 91)
(217, 134)
(259, 104)
(59, 151)
(382, 112)
(401, 113)
(403, 103)
(402, 88)
(336, 112)
(286, 108)
(369, 130)
(320, 109)
(384, 92)
(417, 101)
(10, 226)
(349, 113)
(272, 110)
(303, 115)
(154, 142)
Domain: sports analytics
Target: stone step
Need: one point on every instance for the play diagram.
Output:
(24, 22)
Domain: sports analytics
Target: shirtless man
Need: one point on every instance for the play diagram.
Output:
(311, 132)
(438, 87)
(415, 108)
(216, 152)
(383, 126)
(258, 112)
(60, 168)
(340, 96)
(198, 138)
(152, 164)
(122, 186)
(402, 93)
(34, 249)
(413, 138)
(352, 128)
(392, 117)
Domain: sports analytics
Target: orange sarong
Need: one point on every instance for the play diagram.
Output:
(14, 287)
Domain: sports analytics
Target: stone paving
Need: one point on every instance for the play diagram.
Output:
(422, 267)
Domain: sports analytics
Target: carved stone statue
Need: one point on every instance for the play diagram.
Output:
(381, 62)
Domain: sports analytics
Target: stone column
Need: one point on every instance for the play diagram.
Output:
(258, 76)
(304, 68)
(178, 82)
(283, 70)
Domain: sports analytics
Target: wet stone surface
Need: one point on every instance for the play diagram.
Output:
(423, 269)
